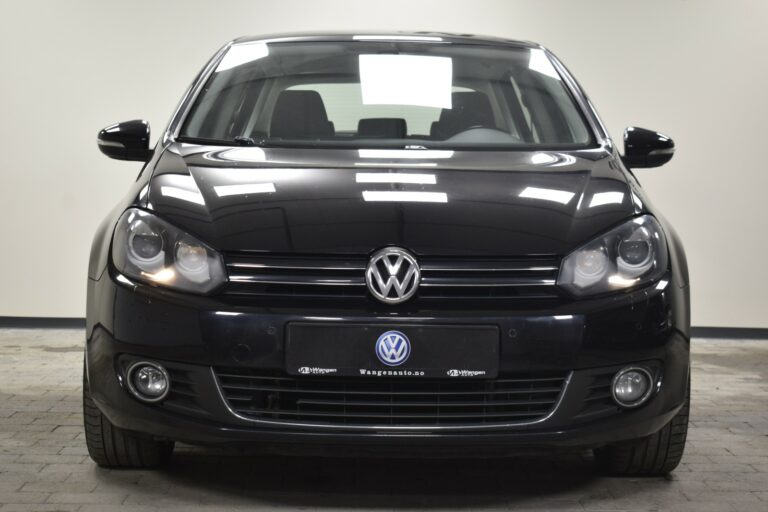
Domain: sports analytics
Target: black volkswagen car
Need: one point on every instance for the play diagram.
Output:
(407, 244)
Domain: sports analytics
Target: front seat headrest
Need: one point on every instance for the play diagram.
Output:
(469, 109)
(300, 115)
(382, 127)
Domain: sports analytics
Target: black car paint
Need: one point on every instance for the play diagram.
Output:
(646, 148)
(128, 140)
(318, 207)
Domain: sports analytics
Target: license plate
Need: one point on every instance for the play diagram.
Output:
(377, 350)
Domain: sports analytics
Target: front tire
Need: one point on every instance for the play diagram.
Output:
(655, 455)
(112, 447)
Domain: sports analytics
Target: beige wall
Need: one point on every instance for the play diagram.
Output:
(696, 70)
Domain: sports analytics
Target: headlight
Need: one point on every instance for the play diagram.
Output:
(632, 254)
(149, 249)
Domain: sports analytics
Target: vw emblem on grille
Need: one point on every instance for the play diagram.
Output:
(392, 275)
(393, 348)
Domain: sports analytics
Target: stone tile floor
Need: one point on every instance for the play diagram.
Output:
(44, 465)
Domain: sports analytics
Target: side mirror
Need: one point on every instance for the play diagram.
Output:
(126, 141)
(646, 148)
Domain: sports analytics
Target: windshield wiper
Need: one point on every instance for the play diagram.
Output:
(264, 142)
(237, 141)
(203, 141)
(245, 141)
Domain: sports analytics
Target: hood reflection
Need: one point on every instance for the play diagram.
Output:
(552, 159)
(406, 154)
(603, 198)
(238, 155)
(548, 194)
(244, 189)
(181, 187)
(404, 197)
(382, 177)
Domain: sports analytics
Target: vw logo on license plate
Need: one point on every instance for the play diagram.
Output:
(393, 348)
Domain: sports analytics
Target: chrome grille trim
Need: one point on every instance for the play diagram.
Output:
(344, 276)
(473, 267)
(287, 266)
(447, 281)
(237, 278)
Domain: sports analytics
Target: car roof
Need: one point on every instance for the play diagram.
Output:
(436, 37)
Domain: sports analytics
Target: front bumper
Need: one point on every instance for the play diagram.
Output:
(194, 335)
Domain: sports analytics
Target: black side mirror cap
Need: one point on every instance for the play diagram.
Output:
(646, 148)
(126, 141)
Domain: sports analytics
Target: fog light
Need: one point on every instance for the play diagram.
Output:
(149, 382)
(632, 387)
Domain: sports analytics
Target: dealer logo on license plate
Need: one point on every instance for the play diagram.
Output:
(393, 348)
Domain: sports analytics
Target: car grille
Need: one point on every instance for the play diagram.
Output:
(184, 397)
(441, 278)
(598, 401)
(391, 402)
(598, 398)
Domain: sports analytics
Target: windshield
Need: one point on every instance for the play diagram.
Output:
(385, 94)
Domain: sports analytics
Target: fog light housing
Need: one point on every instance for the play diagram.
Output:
(632, 387)
(147, 381)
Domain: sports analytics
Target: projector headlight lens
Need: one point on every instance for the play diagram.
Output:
(634, 252)
(192, 261)
(144, 243)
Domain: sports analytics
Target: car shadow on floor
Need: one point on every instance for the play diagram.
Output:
(223, 478)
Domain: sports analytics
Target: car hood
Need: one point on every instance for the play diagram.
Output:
(354, 201)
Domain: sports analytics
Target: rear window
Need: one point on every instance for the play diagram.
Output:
(345, 108)
(386, 94)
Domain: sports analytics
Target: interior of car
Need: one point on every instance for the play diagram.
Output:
(288, 98)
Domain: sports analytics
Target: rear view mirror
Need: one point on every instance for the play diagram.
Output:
(646, 148)
(126, 141)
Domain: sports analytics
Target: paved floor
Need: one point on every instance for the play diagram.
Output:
(44, 466)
